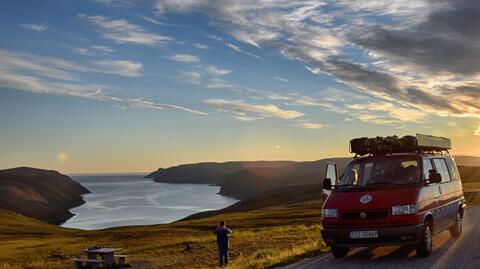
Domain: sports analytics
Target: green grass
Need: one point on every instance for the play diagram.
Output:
(261, 239)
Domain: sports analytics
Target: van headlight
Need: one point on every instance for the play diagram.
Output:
(404, 209)
(329, 213)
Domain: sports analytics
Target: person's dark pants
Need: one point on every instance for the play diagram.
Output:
(223, 254)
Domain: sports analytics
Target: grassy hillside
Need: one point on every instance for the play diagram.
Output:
(469, 174)
(261, 238)
(272, 198)
(42, 194)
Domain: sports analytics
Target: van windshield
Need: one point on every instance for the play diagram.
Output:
(382, 170)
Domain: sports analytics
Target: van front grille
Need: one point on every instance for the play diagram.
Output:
(359, 215)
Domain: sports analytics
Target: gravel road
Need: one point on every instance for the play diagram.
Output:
(463, 252)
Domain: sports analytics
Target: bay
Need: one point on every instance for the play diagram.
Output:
(129, 199)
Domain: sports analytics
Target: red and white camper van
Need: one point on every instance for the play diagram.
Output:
(395, 191)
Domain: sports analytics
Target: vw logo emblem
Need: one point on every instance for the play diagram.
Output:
(366, 199)
(363, 215)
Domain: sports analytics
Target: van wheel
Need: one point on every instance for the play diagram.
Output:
(456, 229)
(424, 248)
(339, 252)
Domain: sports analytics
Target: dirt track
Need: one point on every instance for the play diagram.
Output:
(463, 252)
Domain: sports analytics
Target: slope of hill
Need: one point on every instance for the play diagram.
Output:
(250, 182)
(467, 160)
(41, 194)
(469, 174)
(273, 198)
(208, 172)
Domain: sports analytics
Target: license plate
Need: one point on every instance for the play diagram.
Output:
(363, 234)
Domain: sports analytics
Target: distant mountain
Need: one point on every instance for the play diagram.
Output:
(245, 179)
(42, 194)
(208, 172)
(249, 182)
(467, 160)
(242, 179)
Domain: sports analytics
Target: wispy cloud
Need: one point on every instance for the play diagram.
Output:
(184, 58)
(477, 131)
(394, 113)
(242, 110)
(281, 79)
(121, 68)
(201, 46)
(122, 31)
(309, 125)
(217, 71)
(104, 49)
(35, 27)
(140, 103)
(237, 49)
(48, 75)
(83, 51)
(57, 68)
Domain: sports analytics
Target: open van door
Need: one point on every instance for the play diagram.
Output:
(331, 178)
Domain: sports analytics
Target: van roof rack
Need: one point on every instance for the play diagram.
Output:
(393, 144)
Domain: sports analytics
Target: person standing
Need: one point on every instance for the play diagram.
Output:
(223, 232)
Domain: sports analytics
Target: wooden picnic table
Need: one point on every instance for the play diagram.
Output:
(107, 254)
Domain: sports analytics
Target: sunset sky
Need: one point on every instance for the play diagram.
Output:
(125, 86)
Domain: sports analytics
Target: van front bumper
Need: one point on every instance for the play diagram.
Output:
(402, 235)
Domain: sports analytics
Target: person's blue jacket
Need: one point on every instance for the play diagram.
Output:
(222, 235)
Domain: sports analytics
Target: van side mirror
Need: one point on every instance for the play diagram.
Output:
(434, 177)
(331, 178)
(327, 184)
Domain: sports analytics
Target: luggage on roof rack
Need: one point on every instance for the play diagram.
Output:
(392, 144)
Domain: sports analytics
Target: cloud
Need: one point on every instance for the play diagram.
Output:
(237, 49)
(201, 46)
(121, 68)
(217, 71)
(281, 79)
(140, 103)
(309, 125)
(82, 51)
(44, 66)
(185, 58)
(477, 131)
(122, 31)
(57, 68)
(48, 75)
(35, 27)
(104, 49)
(395, 113)
(446, 41)
(419, 55)
(243, 110)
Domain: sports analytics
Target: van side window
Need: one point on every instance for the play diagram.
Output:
(427, 166)
(441, 167)
(453, 169)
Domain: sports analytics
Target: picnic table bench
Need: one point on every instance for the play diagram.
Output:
(107, 258)
(93, 263)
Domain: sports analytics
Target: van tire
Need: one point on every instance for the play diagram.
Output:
(424, 247)
(456, 229)
(339, 252)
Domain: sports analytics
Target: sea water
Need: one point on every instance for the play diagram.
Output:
(120, 200)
